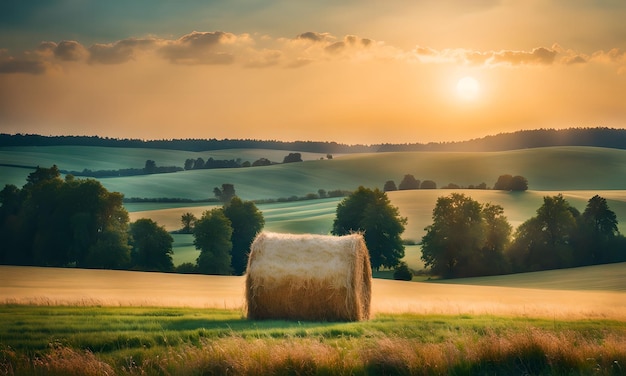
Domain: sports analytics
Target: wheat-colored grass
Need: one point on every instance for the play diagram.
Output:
(53, 286)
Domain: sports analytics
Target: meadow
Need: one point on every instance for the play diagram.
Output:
(316, 216)
(71, 321)
(553, 168)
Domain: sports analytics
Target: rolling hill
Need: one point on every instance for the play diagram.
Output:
(550, 169)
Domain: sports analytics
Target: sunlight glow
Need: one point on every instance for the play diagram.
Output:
(467, 88)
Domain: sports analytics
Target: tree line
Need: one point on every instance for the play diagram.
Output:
(151, 167)
(505, 182)
(596, 136)
(468, 239)
(74, 222)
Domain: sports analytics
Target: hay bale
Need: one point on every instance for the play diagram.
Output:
(308, 277)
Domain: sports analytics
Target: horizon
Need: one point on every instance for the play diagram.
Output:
(355, 73)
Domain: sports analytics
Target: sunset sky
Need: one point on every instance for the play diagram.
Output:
(348, 71)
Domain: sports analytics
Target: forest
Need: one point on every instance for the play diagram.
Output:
(598, 137)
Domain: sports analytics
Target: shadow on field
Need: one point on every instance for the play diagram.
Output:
(264, 328)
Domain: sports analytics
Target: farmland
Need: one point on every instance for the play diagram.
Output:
(93, 321)
(66, 321)
(576, 172)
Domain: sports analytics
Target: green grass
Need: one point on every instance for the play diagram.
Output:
(555, 168)
(610, 277)
(81, 340)
(316, 216)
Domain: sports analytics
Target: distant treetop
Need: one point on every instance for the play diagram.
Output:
(599, 137)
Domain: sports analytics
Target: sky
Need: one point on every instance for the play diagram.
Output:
(354, 72)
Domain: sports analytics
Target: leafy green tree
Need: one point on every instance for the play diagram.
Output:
(188, 220)
(545, 241)
(503, 183)
(402, 272)
(292, 157)
(246, 221)
(151, 246)
(189, 163)
(212, 234)
(150, 166)
(511, 183)
(110, 251)
(457, 232)
(56, 222)
(409, 182)
(389, 186)
(596, 232)
(198, 163)
(519, 183)
(370, 211)
(226, 193)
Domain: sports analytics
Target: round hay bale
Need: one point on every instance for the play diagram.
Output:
(308, 277)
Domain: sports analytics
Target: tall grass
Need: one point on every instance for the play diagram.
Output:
(390, 344)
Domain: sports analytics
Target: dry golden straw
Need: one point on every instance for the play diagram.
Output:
(309, 277)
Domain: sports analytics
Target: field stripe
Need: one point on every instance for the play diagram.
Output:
(55, 286)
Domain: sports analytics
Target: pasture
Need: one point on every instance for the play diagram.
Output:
(554, 168)
(69, 321)
(316, 216)
(73, 321)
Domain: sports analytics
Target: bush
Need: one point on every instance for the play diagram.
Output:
(402, 272)
(186, 268)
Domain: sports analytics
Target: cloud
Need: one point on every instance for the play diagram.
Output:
(13, 65)
(540, 55)
(119, 52)
(312, 36)
(263, 51)
(67, 50)
(212, 47)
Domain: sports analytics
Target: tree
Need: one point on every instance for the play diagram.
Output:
(111, 251)
(455, 234)
(261, 162)
(402, 272)
(409, 182)
(503, 183)
(370, 211)
(226, 193)
(212, 235)
(198, 163)
(428, 184)
(188, 221)
(596, 232)
(189, 163)
(56, 222)
(246, 221)
(519, 184)
(292, 157)
(321, 193)
(545, 241)
(150, 166)
(151, 246)
(389, 186)
(511, 183)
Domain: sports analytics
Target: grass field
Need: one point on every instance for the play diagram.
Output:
(316, 216)
(70, 321)
(73, 321)
(556, 168)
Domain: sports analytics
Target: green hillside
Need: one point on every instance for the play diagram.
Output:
(554, 168)
(610, 277)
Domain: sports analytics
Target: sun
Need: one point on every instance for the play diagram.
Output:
(467, 88)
